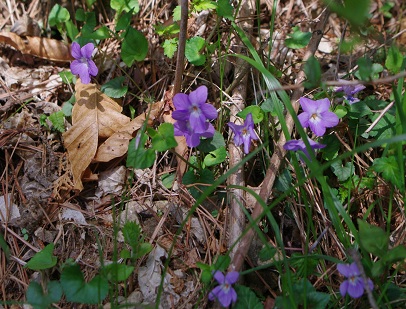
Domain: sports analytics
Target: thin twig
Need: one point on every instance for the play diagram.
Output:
(180, 58)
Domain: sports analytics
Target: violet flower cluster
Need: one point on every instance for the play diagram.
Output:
(349, 91)
(224, 292)
(243, 134)
(354, 284)
(83, 65)
(192, 116)
(317, 116)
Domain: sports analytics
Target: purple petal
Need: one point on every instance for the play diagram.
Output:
(225, 298)
(93, 70)
(192, 140)
(323, 105)
(235, 128)
(181, 101)
(232, 277)
(209, 111)
(209, 132)
(317, 126)
(180, 115)
(316, 145)
(356, 289)
(198, 122)
(219, 276)
(344, 269)
(294, 145)
(180, 128)
(371, 284)
(247, 143)
(354, 271)
(87, 50)
(343, 287)
(308, 105)
(233, 295)
(329, 119)
(199, 96)
(75, 50)
(215, 292)
(357, 88)
(79, 68)
(304, 119)
(249, 121)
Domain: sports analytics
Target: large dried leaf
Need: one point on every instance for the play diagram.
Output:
(117, 145)
(39, 47)
(94, 116)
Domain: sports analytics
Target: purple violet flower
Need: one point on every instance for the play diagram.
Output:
(243, 134)
(224, 292)
(296, 145)
(317, 116)
(354, 284)
(349, 91)
(192, 113)
(83, 65)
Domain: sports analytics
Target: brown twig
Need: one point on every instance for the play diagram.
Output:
(278, 156)
(180, 58)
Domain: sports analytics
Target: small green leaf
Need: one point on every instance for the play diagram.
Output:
(168, 180)
(255, 110)
(356, 12)
(357, 111)
(124, 21)
(192, 49)
(385, 128)
(100, 34)
(373, 239)
(80, 15)
(58, 15)
(394, 60)
(215, 157)
(341, 111)
(171, 29)
(284, 181)
(389, 169)
(368, 70)
(43, 259)
(164, 138)
(118, 272)
(267, 253)
(247, 299)
(139, 157)
(78, 291)
(4, 247)
(201, 5)
(176, 13)
(205, 176)
(212, 143)
(68, 105)
(134, 47)
(115, 88)
(272, 106)
(125, 5)
(71, 30)
(298, 39)
(225, 9)
(40, 300)
(66, 76)
(313, 73)
(394, 255)
(222, 262)
(143, 249)
(58, 121)
(170, 46)
(342, 172)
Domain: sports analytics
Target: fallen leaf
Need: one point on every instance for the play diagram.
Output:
(44, 48)
(117, 145)
(94, 116)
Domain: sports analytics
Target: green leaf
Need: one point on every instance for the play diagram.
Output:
(394, 60)
(176, 13)
(389, 169)
(192, 49)
(284, 181)
(164, 138)
(373, 239)
(304, 265)
(115, 88)
(68, 105)
(272, 106)
(134, 47)
(357, 111)
(313, 73)
(66, 76)
(200, 5)
(125, 5)
(78, 291)
(394, 255)
(317, 300)
(210, 144)
(168, 180)
(117, 272)
(100, 34)
(170, 46)
(385, 128)
(43, 259)
(58, 15)
(4, 247)
(222, 262)
(341, 111)
(80, 15)
(40, 300)
(298, 39)
(368, 70)
(132, 234)
(71, 30)
(356, 12)
(342, 172)
(225, 9)
(124, 21)
(205, 176)
(139, 157)
(255, 110)
(58, 121)
(171, 29)
(215, 157)
(246, 298)
(267, 253)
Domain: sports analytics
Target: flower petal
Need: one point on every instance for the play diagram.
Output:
(75, 50)
(329, 119)
(215, 292)
(219, 276)
(87, 50)
(81, 69)
(294, 145)
(232, 277)
(181, 101)
(233, 295)
(247, 143)
(356, 289)
(93, 70)
(308, 105)
(323, 105)
(354, 271)
(344, 269)
(209, 111)
(343, 286)
(192, 140)
(304, 119)
(199, 96)
(225, 298)
(317, 126)
(198, 122)
(180, 115)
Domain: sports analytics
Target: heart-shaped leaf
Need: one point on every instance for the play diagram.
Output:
(40, 300)
(43, 259)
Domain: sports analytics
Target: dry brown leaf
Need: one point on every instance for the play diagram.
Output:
(36, 46)
(117, 145)
(94, 116)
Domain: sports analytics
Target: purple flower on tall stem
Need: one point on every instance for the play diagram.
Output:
(349, 91)
(83, 65)
(296, 145)
(354, 284)
(317, 116)
(192, 114)
(243, 134)
(224, 292)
